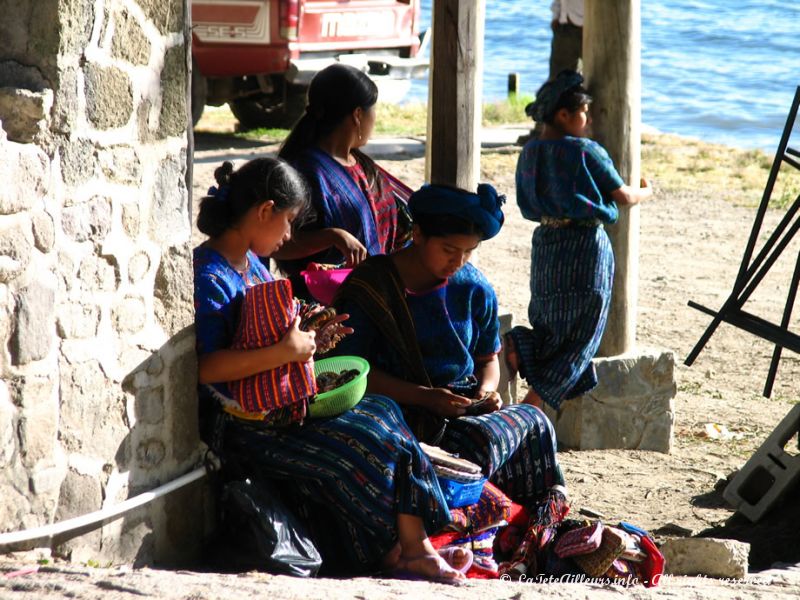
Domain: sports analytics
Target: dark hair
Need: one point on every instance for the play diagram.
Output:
(334, 93)
(238, 191)
(572, 99)
(442, 225)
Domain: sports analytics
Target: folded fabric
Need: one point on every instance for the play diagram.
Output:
(492, 508)
(267, 313)
(582, 540)
(441, 458)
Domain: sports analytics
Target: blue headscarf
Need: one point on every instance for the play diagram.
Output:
(543, 108)
(482, 208)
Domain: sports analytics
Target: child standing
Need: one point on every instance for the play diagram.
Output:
(568, 184)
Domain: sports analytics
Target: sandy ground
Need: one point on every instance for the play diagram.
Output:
(691, 246)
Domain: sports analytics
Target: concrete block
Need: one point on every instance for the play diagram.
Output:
(706, 556)
(769, 474)
(632, 406)
(507, 388)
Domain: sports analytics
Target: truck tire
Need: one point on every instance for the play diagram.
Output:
(270, 111)
(199, 93)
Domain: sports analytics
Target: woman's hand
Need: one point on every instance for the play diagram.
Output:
(491, 401)
(443, 402)
(353, 251)
(298, 345)
(331, 333)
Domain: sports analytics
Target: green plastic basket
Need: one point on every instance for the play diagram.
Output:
(345, 397)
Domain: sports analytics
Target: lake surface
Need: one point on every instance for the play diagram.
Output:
(721, 70)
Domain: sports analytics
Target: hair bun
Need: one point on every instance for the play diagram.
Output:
(222, 174)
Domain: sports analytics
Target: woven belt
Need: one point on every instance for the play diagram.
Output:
(564, 222)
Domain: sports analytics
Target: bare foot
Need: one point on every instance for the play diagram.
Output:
(430, 566)
(392, 558)
(533, 399)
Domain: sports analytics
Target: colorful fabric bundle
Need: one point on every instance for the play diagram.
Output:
(582, 540)
(597, 562)
(493, 508)
(268, 311)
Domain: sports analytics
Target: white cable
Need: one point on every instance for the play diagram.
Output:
(47, 532)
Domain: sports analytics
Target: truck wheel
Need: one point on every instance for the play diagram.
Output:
(199, 93)
(270, 111)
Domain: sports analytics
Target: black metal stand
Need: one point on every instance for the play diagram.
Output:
(751, 273)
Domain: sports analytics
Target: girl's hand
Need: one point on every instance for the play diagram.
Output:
(443, 402)
(331, 333)
(298, 345)
(645, 189)
(353, 251)
(491, 402)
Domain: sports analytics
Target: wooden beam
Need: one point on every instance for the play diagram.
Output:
(612, 67)
(455, 90)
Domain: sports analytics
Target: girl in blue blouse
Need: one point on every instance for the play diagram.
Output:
(568, 184)
(367, 491)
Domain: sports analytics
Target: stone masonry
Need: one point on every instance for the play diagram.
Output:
(97, 396)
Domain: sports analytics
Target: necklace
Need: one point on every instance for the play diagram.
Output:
(243, 271)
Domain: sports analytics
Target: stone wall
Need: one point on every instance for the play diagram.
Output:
(97, 398)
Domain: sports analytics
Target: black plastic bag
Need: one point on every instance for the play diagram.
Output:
(265, 534)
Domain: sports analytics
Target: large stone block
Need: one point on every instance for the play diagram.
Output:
(121, 164)
(98, 274)
(23, 169)
(76, 320)
(38, 434)
(169, 209)
(24, 113)
(16, 244)
(174, 302)
(129, 315)
(35, 316)
(78, 161)
(79, 495)
(88, 220)
(92, 410)
(706, 556)
(109, 96)
(167, 16)
(182, 401)
(631, 407)
(130, 42)
(174, 118)
(44, 235)
(76, 19)
(65, 106)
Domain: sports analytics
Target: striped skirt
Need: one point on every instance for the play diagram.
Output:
(572, 272)
(348, 477)
(516, 446)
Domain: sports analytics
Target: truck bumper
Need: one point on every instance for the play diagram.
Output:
(302, 70)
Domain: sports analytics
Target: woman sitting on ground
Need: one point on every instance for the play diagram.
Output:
(358, 209)
(427, 322)
(369, 491)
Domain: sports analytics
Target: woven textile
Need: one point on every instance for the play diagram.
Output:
(267, 313)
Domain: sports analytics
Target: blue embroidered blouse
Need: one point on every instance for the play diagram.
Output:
(454, 322)
(567, 178)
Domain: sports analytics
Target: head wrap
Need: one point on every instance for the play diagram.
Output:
(550, 93)
(482, 208)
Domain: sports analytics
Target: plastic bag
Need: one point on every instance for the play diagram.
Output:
(265, 533)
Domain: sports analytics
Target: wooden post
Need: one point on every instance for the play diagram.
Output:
(455, 89)
(513, 84)
(612, 67)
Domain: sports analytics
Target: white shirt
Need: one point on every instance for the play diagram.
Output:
(568, 11)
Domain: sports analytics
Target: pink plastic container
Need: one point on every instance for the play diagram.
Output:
(324, 283)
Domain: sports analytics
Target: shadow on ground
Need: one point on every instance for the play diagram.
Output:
(774, 539)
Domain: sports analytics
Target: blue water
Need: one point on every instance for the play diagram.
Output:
(721, 70)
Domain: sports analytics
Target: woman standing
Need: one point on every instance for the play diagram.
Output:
(368, 491)
(568, 184)
(358, 209)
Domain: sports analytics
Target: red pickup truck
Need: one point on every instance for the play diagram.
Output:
(260, 55)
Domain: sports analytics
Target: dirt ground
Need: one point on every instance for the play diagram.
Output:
(691, 247)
